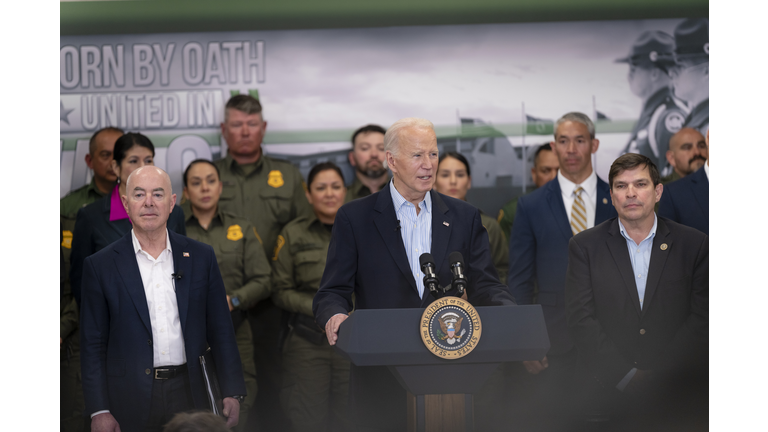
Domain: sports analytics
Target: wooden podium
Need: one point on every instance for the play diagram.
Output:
(434, 402)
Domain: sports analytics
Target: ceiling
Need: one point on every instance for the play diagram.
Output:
(172, 16)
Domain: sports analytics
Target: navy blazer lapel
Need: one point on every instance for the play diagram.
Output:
(182, 265)
(618, 246)
(441, 232)
(128, 268)
(387, 224)
(658, 259)
(118, 225)
(604, 209)
(700, 192)
(555, 201)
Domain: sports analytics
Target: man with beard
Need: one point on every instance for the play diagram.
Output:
(662, 114)
(690, 76)
(687, 153)
(367, 156)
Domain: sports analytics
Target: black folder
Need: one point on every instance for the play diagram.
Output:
(211, 381)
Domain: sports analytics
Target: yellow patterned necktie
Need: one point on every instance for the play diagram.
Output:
(578, 212)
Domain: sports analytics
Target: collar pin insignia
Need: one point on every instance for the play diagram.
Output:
(446, 223)
(663, 246)
(186, 254)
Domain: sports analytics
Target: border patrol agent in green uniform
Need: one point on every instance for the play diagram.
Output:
(367, 157)
(316, 377)
(240, 255)
(662, 115)
(269, 193)
(454, 180)
(99, 159)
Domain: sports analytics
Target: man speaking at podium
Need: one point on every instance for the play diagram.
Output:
(374, 253)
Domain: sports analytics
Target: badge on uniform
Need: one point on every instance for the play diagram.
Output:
(234, 232)
(275, 179)
(66, 239)
(185, 254)
(674, 122)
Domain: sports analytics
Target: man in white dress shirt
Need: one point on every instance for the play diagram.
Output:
(152, 303)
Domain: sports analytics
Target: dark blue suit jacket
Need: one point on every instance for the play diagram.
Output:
(116, 333)
(686, 201)
(538, 254)
(366, 256)
(94, 231)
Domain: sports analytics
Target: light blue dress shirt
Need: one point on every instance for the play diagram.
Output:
(416, 231)
(640, 256)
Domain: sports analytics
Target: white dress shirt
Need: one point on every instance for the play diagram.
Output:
(159, 288)
(416, 231)
(589, 195)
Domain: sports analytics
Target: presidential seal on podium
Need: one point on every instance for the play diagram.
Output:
(450, 328)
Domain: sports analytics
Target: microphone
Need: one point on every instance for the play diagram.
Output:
(428, 268)
(459, 281)
(178, 275)
(397, 228)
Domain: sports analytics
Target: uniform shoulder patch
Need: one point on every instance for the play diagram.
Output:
(275, 179)
(234, 232)
(278, 246)
(673, 122)
(67, 239)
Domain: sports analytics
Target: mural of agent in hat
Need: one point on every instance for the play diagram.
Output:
(690, 75)
(662, 115)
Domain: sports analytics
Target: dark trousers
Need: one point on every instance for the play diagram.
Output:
(169, 397)
(269, 325)
(560, 398)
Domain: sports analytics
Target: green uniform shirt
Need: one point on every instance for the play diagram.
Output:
(358, 190)
(242, 262)
(269, 196)
(298, 264)
(670, 178)
(507, 217)
(69, 205)
(499, 246)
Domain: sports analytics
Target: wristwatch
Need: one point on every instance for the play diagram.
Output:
(238, 398)
(235, 301)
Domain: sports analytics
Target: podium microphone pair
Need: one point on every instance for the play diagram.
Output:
(458, 282)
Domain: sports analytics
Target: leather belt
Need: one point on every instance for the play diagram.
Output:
(168, 372)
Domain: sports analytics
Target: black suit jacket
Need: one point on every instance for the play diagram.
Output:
(610, 330)
(366, 256)
(94, 231)
(116, 332)
(686, 201)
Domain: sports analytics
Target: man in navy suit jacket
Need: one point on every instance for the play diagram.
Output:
(686, 201)
(538, 251)
(152, 302)
(374, 253)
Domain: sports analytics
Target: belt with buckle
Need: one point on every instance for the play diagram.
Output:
(168, 372)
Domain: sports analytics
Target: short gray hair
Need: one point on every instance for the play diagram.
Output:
(577, 117)
(392, 136)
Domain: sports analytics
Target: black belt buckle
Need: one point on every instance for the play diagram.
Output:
(168, 372)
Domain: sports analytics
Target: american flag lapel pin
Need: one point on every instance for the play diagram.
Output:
(186, 254)
(446, 224)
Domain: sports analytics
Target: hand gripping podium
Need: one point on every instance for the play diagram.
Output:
(509, 333)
